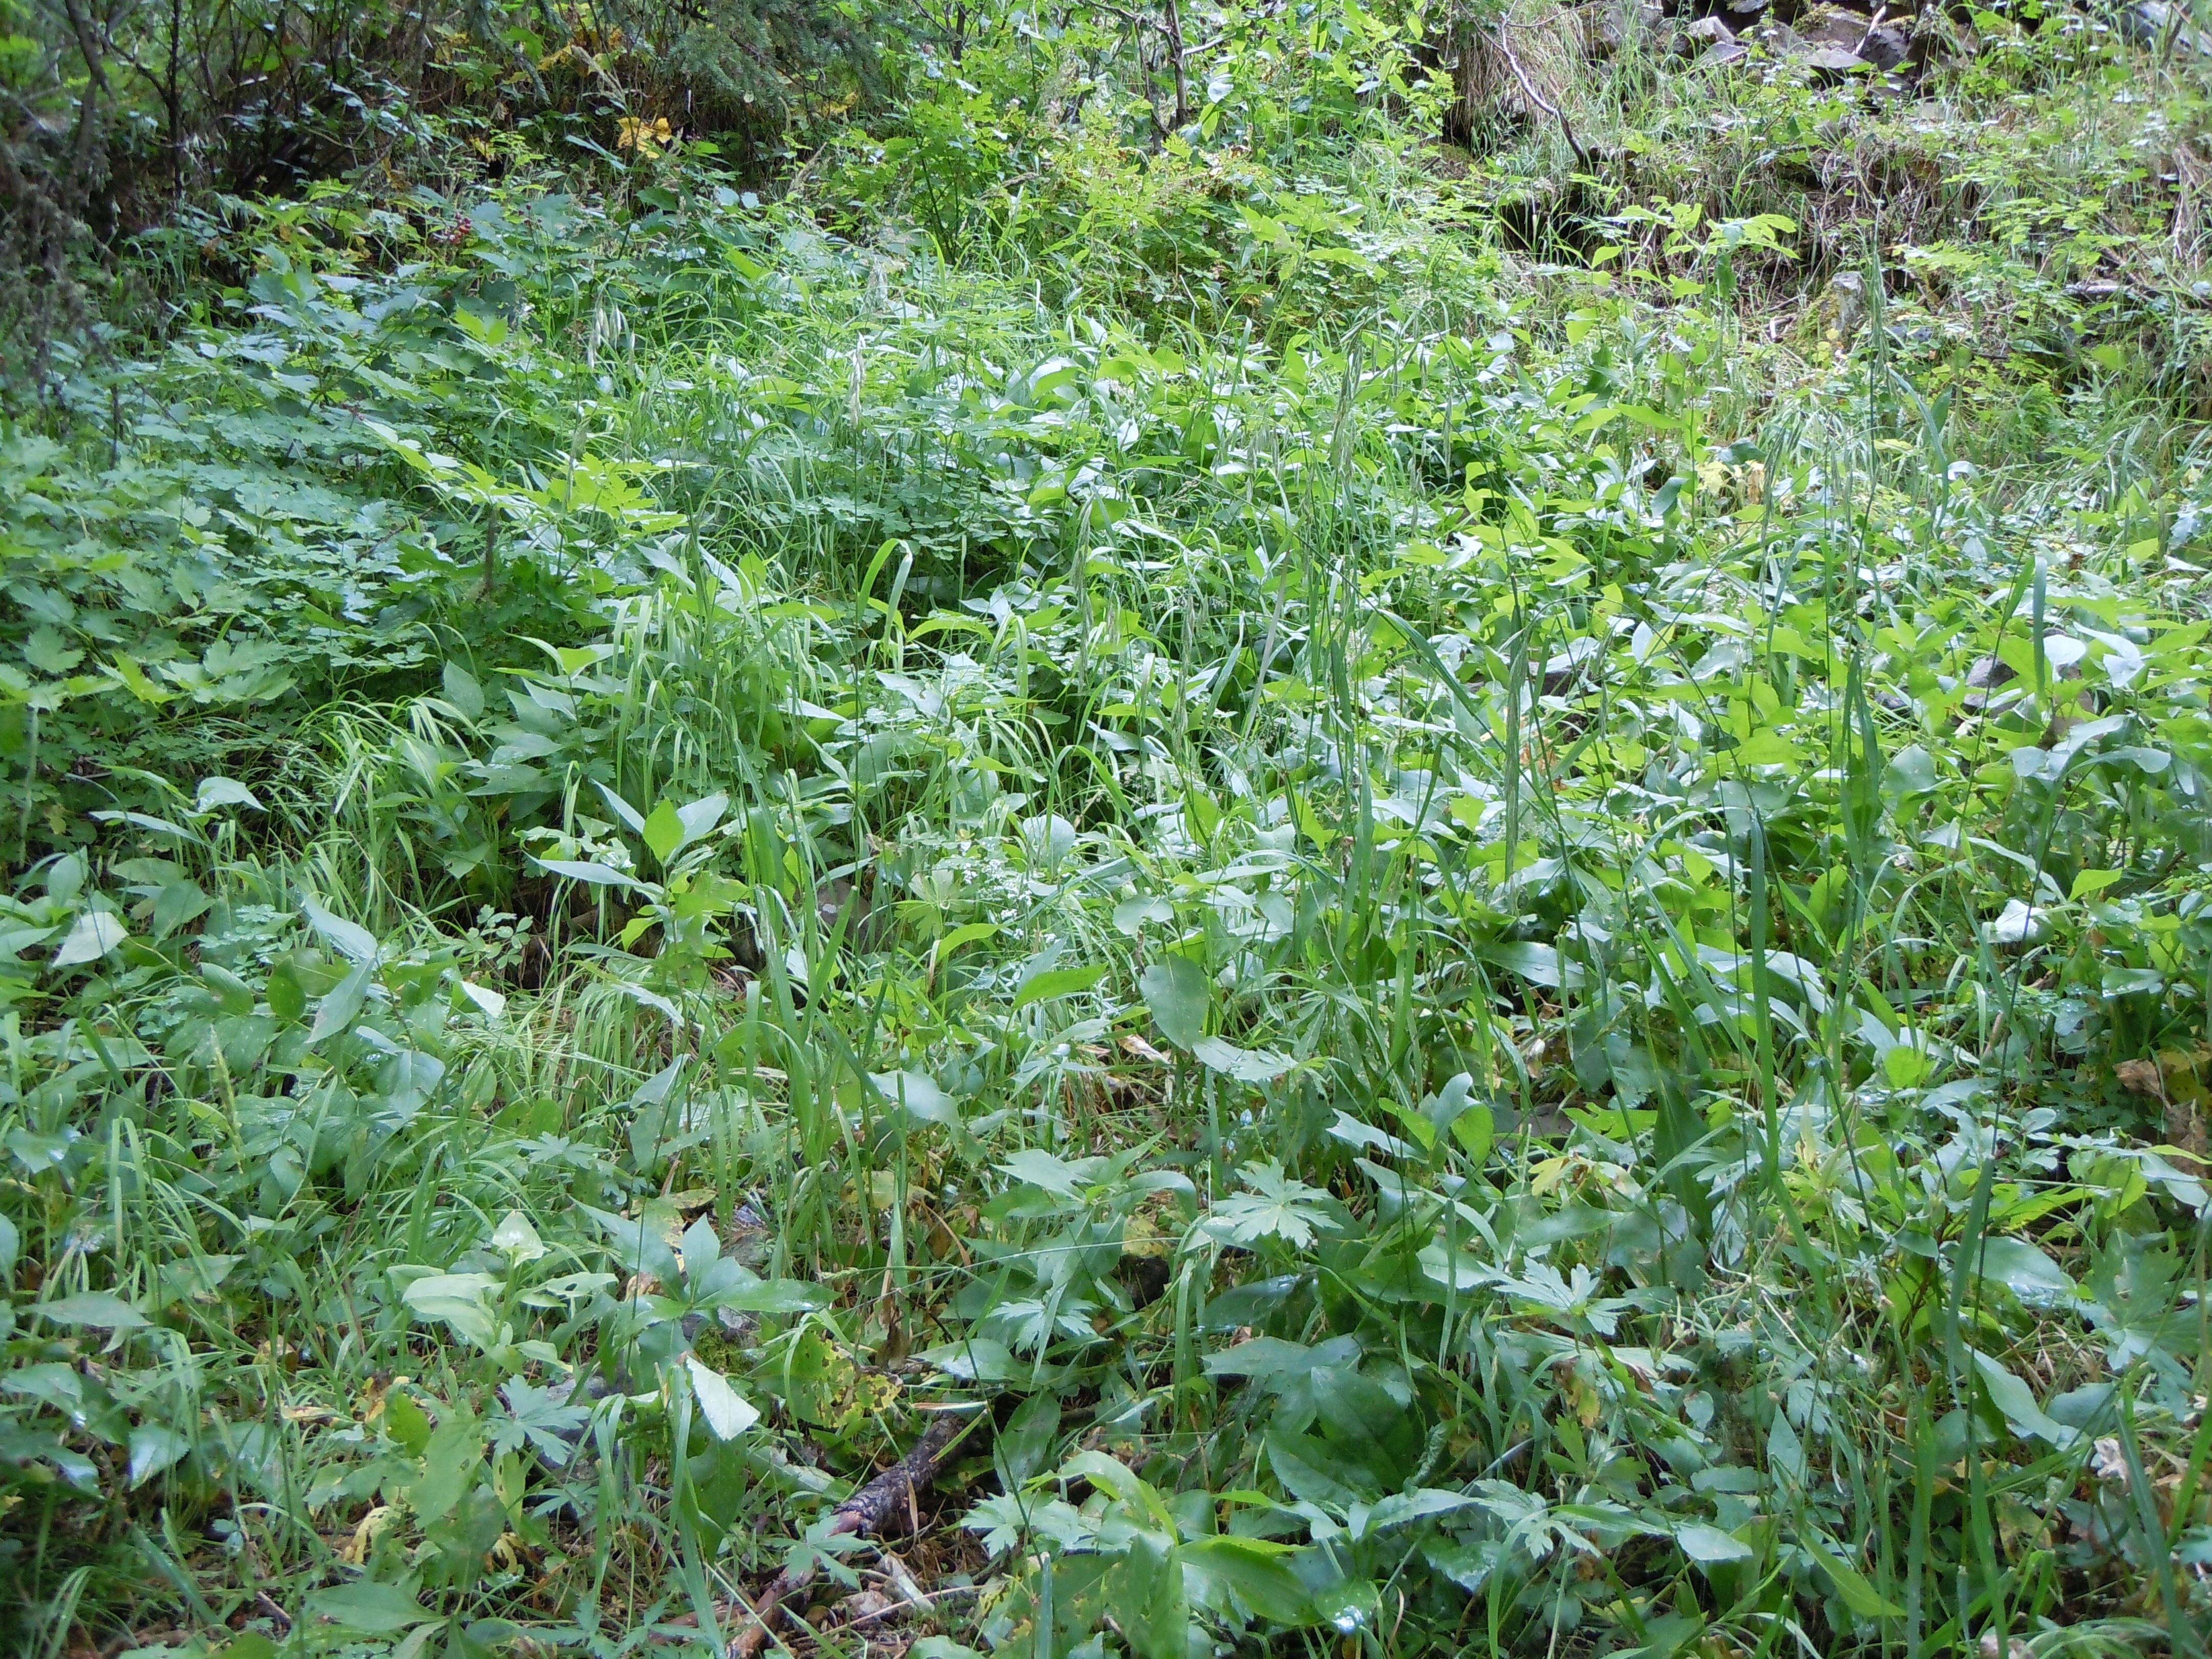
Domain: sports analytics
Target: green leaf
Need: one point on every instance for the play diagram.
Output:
(774, 1296)
(463, 691)
(517, 1237)
(1256, 1570)
(1705, 1544)
(223, 792)
(11, 1245)
(1025, 1445)
(372, 1609)
(1178, 992)
(918, 1094)
(457, 1300)
(339, 1009)
(450, 1464)
(596, 875)
(1056, 982)
(699, 817)
(2089, 882)
(2016, 1401)
(1149, 1601)
(102, 1309)
(2028, 1273)
(1858, 1594)
(728, 1414)
(177, 903)
(349, 938)
(95, 934)
(154, 1447)
(1245, 1065)
(663, 832)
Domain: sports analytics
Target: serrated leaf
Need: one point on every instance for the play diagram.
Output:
(728, 1414)
(154, 1447)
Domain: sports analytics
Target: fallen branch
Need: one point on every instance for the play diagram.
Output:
(863, 1513)
(1528, 90)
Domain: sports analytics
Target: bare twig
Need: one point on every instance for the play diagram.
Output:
(1529, 90)
(890, 1493)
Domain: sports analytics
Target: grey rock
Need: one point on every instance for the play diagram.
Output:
(2156, 24)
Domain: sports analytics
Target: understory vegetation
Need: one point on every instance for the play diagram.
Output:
(1426, 797)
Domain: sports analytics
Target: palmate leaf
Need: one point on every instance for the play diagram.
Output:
(1276, 1206)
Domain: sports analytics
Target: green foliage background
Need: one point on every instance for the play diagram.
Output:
(1474, 891)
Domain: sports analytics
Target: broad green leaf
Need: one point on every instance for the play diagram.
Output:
(456, 1300)
(1400, 1508)
(1852, 1585)
(1245, 1065)
(1267, 1356)
(1177, 991)
(11, 1243)
(1704, 1544)
(1056, 982)
(371, 1608)
(102, 1309)
(517, 1237)
(699, 817)
(962, 936)
(2030, 1274)
(2089, 883)
(1537, 963)
(450, 1463)
(223, 792)
(339, 1009)
(177, 903)
(596, 875)
(96, 933)
(919, 1094)
(1257, 1572)
(2016, 1401)
(727, 1413)
(662, 833)
(1025, 1445)
(349, 938)
(154, 1447)
(774, 1296)
(463, 691)
(1149, 1601)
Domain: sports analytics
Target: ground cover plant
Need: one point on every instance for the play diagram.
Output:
(1221, 843)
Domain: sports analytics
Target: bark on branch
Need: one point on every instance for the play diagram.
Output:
(884, 1500)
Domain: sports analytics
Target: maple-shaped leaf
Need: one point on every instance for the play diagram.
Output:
(1274, 1205)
